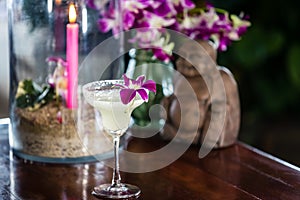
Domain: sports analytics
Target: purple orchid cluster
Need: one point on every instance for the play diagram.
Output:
(213, 24)
(151, 18)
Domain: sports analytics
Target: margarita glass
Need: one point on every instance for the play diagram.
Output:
(105, 97)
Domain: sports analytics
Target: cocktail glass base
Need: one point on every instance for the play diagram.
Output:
(121, 191)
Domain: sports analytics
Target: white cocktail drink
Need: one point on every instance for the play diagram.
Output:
(115, 115)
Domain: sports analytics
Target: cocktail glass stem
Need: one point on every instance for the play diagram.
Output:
(116, 180)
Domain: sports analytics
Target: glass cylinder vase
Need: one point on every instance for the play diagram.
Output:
(49, 58)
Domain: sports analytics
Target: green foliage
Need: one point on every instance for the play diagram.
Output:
(32, 95)
(255, 47)
(293, 64)
(266, 62)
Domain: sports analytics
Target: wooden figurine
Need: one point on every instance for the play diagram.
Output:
(181, 115)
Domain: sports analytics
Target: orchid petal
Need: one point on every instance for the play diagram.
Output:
(188, 4)
(150, 85)
(126, 80)
(140, 80)
(52, 59)
(161, 55)
(143, 94)
(144, 24)
(128, 20)
(127, 95)
(105, 24)
(241, 30)
(164, 9)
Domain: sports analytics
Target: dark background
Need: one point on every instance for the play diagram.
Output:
(266, 65)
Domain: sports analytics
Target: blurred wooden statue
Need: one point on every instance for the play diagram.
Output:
(180, 115)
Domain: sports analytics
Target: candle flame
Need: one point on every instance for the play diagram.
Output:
(72, 13)
(58, 2)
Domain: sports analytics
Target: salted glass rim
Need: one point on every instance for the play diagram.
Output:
(102, 83)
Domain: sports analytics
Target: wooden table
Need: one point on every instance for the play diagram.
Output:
(236, 172)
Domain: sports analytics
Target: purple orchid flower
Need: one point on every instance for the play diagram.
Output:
(160, 54)
(58, 78)
(131, 87)
(154, 21)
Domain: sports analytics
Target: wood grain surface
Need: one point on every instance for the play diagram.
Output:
(235, 172)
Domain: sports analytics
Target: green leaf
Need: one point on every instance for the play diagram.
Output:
(34, 95)
(25, 100)
(293, 60)
(28, 86)
(141, 113)
(256, 46)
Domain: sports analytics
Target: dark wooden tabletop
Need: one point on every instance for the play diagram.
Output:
(236, 172)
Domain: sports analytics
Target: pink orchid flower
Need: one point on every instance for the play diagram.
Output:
(57, 60)
(131, 87)
(58, 79)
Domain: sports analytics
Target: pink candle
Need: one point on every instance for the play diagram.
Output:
(72, 58)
